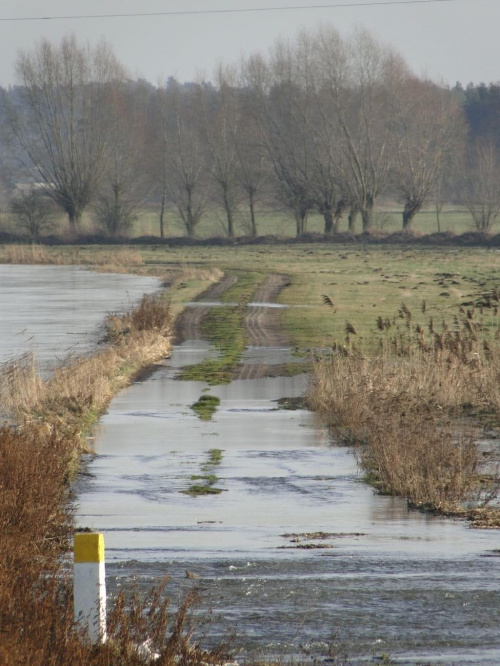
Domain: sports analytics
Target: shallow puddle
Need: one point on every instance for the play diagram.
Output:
(295, 549)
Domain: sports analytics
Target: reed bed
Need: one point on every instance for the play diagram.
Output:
(413, 410)
(37, 458)
(112, 259)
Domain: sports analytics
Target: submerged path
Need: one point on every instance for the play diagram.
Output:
(294, 550)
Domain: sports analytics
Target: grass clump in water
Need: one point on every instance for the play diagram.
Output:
(214, 458)
(202, 489)
(206, 407)
(208, 478)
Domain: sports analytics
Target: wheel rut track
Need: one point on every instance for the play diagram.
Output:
(262, 324)
(188, 324)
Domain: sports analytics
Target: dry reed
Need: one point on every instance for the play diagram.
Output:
(406, 407)
(114, 260)
(27, 254)
(81, 387)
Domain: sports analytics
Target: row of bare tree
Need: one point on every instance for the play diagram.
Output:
(326, 124)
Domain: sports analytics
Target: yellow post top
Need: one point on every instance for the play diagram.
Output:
(89, 547)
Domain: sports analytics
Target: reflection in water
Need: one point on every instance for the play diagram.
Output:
(57, 309)
(389, 580)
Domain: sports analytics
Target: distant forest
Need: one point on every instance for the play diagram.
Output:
(323, 124)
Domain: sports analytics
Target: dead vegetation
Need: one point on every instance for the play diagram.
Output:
(414, 409)
(112, 260)
(77, 392)
(37, 457)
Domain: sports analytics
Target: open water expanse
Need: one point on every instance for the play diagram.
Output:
(419, 588)
(55, 310)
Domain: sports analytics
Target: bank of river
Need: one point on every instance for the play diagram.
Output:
(54, 310)
(381, 579)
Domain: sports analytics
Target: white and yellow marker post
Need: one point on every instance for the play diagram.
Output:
(89, 586)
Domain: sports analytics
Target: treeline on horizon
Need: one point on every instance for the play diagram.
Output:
(324, 123)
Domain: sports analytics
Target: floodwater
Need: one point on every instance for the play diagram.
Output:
(56, 310)
(382, 580)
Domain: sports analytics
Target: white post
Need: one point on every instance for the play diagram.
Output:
(89, 586)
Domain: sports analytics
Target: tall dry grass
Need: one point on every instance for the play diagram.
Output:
(82, 386)
(115, 260)
(409, 408)
(36, 459)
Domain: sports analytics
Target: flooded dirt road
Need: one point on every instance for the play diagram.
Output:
(294, 550)
(53, 310)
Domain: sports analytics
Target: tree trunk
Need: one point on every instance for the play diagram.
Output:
(301, 215)
(190, 225)
(253, 221)
(229, 215)
(337, 217)
(367, 215)
(329, 224)
(410, 210)
(162, 212)
(298, 224)
(438, 205)
(189, 216)
(75, 219)
(353, 218)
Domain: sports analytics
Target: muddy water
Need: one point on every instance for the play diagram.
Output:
(387, 581)
(53, 310)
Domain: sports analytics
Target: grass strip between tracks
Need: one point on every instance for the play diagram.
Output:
(224, 327)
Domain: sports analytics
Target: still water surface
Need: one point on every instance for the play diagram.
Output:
(417, 587)
(53, 310)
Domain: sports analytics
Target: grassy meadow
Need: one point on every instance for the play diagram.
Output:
(388, 219)
(363, 282)
(269, 222)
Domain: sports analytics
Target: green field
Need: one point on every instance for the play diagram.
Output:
(364, 282)
(387, 219)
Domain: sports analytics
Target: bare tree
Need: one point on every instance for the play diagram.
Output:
(324, 155)
(124, 181)
(34, 211)
(356, 74)
(481, 184)
(187, 172)
(222, 120)
(64, 118)
(116, 203)
(253, 167)
(281, 112)
(427, 123)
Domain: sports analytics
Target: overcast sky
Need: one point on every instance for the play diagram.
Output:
(448, 40)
